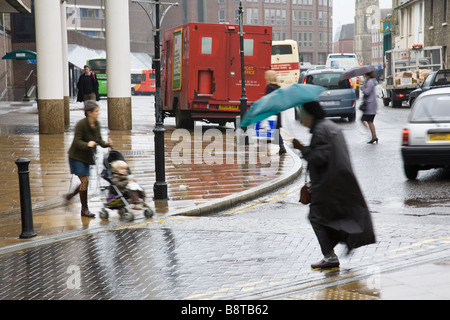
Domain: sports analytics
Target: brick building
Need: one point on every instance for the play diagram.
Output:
(437, 32)
(8, 25)
(306, 21)
(344, 38)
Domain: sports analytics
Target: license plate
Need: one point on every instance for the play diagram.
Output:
(405, 81)
(440, 136)
(228, 107)
(329, 103)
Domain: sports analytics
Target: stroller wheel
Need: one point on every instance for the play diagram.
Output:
(128, 216)
(148, 213)
(104, 214)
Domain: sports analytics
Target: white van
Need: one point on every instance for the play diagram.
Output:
(344, 61)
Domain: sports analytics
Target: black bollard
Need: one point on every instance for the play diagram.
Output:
(25, 199)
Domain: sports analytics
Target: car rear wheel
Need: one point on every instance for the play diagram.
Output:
(352, 117)
(411, 171)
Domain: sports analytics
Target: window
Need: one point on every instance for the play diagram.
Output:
(248, 47)
(206, 45)
(328, 80)
(222, 15)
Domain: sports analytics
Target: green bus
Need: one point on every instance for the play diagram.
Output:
(98, 66)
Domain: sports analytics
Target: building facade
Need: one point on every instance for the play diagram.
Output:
(344, 39)
(367, 17)
(309, 22)
(410, 17)
(306, 21)
(436, 28)
(8, 26)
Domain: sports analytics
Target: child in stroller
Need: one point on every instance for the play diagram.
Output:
(118, 174)
(126, 183)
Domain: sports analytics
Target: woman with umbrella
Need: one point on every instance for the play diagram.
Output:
(338, 210)
(370, 100)
(370, 97)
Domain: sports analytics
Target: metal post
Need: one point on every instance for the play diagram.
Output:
(243, 106)
(160, 186)
(25, 199)
(243, 100)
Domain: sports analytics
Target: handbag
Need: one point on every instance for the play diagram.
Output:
(305, 191)
(363, 105)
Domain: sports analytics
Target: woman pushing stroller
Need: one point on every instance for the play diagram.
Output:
(82, 152)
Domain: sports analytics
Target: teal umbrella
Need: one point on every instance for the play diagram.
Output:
(279, 100)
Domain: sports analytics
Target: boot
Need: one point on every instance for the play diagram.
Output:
(84, 205)
(69, 196)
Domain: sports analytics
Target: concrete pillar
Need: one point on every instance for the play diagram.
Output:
(118, 64)
(49, 66)
(65, 66)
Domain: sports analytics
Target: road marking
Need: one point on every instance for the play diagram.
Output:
(276, 198)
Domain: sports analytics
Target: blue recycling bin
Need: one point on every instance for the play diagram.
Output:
(265, 128)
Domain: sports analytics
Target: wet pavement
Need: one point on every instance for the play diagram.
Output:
(193, 248)
(195, 185)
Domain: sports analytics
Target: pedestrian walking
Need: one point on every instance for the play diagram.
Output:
(338, 211)
(272, 85)
(87, 86)
(82, 152)
(371, 105)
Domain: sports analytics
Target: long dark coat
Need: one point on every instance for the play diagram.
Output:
(338, 211)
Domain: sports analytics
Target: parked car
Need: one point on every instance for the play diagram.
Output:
(339, 100)
(426, 137)
(436, 79)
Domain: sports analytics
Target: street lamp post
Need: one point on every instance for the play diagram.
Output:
(243, 100)
(160, 186)
(243, 106)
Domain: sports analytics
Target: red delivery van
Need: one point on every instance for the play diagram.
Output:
(201, 71)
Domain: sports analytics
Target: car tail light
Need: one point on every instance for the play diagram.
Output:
(405, 139)
(351, 83)
(400, 95)
(304, 81)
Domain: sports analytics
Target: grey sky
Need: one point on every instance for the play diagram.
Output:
(344, 11)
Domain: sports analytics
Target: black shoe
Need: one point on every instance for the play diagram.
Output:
(322, 264)
(373, 141)
(282, 150)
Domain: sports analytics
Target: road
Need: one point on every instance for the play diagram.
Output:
(260, 250)
(379, 169)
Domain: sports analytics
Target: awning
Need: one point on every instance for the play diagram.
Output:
(20, 55)
(13, 6)
(78, 56)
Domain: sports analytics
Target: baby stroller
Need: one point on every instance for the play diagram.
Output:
(114, 198)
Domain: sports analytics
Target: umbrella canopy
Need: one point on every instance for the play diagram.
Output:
(357, 71)
(279, 100)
